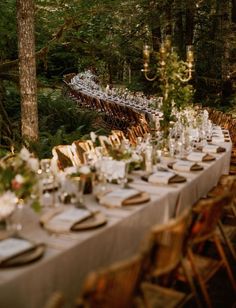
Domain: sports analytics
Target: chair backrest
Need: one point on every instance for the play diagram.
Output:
(56, 300)
(114, 286)
(64, 156)
(206, 215)
(105, 142)
(165, 245)
(119, 133)
(80, 147)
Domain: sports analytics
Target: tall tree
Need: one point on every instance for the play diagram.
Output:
(27, 69)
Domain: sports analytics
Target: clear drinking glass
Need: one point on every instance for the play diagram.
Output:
(171, 145)
(148, 158)
(79, 194)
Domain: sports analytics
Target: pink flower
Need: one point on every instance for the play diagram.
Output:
(15, 185)
(17, 182)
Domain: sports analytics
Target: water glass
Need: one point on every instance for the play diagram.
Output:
(148, 158)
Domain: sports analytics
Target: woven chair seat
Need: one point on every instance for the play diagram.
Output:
(158, 297)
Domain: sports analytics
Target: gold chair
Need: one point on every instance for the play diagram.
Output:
(113, 287)
(207, 213)
(165, 257)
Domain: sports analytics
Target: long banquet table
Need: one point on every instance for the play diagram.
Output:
(70, 257)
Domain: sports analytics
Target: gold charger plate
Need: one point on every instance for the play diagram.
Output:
(139, 199)
(26, 257)
(96, 220)
(195, 167)
(175, 179)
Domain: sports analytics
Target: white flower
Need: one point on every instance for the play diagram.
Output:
(70, 170)
(7, 204)
(19, 179)
(33, 164)
(24, 154)
(93, 136)
(84, 169)
(136, 158)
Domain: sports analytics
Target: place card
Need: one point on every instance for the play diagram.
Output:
(160, 177)
(13, 246)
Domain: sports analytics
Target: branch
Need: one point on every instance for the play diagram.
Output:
(9, 65)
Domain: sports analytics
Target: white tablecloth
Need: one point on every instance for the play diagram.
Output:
(69, 258)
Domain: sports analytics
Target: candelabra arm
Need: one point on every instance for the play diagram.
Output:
(184, 79)
(150, 78)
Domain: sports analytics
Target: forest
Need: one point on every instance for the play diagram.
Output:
(107, 37)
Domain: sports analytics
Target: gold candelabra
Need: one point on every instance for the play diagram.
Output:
(183, 69)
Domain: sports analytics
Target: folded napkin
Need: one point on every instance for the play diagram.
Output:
(160, 177)
(217, 128)
(210, 148)
(218, 139)
(11, 247)
(117, 197)
(196, 156)
(183, 165)
(64, 221)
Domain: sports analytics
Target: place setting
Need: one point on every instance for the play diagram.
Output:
(15, 248)
(18, 251)
(185, 166)
(72, 219)
(163, 177)
(123, 197)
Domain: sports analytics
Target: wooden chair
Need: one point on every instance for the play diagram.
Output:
(165, 256)
(79, 148)
(64, 156)
(207, 213)
(227, 223)
(119, 133)
(113, 286)
(105, 142)
(114, 140)
(56, 300)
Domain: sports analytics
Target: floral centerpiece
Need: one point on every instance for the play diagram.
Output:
(18, 179)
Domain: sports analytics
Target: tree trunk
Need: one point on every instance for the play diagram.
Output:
(190, 12)
(27, 69)
(233, 11)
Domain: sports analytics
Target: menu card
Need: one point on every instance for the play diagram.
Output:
(117, 197)
(65, 220)
(13, 246)
(160, 177)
